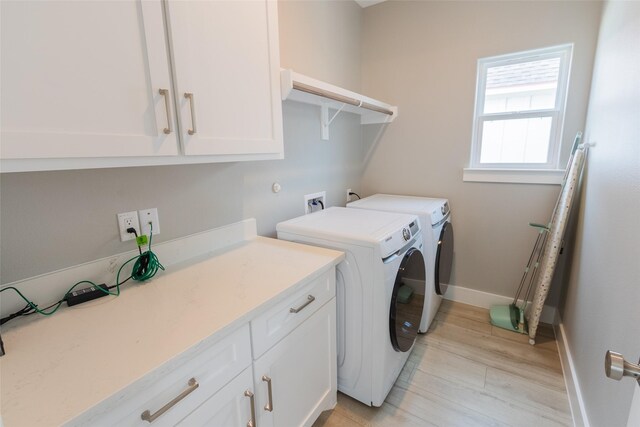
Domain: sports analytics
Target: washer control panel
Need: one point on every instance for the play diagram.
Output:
(414, 227)
(395, 241)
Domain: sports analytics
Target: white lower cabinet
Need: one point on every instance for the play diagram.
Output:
(276, 370)
(231, 406)
(296, 379)
(175, 390)
(290, 385)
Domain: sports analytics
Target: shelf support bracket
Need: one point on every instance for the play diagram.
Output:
(325, 121)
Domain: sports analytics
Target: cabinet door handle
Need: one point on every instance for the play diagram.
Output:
(310, 299)
(148, 416)
(167, 106)
(189, 96)
(268, 406)
(252, 403)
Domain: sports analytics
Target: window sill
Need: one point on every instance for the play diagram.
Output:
(515, 176)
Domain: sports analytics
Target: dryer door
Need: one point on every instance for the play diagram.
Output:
(407, 300)
(444, 259)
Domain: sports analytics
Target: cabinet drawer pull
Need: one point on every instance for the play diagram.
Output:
(189, 96)
(148, 416)
(167, 106)
(310, 299)
(252, 403)
(269, 406)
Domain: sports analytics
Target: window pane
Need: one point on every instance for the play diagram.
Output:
(515, 141)
(521, 87)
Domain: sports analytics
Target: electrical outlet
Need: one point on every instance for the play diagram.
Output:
(127, 220)
(310, 198)
(149, 216)
(348, 195)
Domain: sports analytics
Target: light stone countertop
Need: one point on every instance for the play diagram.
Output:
(58, 367)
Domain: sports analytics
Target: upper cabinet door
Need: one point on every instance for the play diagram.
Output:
(84, 79)
(227, 71)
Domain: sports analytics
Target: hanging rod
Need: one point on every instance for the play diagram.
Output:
(340, 98)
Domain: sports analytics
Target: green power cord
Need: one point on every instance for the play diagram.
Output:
(145, 267)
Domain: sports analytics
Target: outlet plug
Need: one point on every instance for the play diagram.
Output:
(148, 217)
(348, 195)
(128, 220)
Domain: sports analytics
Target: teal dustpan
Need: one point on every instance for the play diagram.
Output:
(508, 317)
(405, 293)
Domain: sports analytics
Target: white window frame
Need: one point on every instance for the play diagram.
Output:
(564, 52)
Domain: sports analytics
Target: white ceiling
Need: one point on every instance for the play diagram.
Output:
(367, 3)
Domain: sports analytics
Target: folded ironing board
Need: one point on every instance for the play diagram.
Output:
(553, 245)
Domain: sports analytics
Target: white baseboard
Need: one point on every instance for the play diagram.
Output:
(572, 384)
(486, 300)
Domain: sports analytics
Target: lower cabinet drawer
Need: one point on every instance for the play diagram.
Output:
(174, 391)
(273, 325)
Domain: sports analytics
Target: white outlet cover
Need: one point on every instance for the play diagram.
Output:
(322, 195)
(146, 216)
(126, 220)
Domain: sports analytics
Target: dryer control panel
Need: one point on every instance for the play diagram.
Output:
(440, 211)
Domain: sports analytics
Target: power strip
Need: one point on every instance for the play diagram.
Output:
(86, 294)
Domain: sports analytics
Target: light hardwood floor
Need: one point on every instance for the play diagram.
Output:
(466, 372)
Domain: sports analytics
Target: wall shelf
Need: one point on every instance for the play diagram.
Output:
(301, 88)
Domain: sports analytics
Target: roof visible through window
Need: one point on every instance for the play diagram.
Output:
(524, 73)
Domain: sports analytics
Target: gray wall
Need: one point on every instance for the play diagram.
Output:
(322, 39)
(422, 57)
(601, 311)
(52, 220)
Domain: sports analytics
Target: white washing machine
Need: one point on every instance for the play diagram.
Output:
(380, 292)
(437, 231)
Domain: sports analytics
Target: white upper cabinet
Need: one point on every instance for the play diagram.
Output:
(83, 79)
(89, 84)
(226, 62)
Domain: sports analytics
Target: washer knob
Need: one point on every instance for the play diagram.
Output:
(406, 234)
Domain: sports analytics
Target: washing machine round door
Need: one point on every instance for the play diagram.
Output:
(444, 259)
(407, 300)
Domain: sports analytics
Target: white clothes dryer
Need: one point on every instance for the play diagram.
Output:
(380, 292)
(437, 231)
